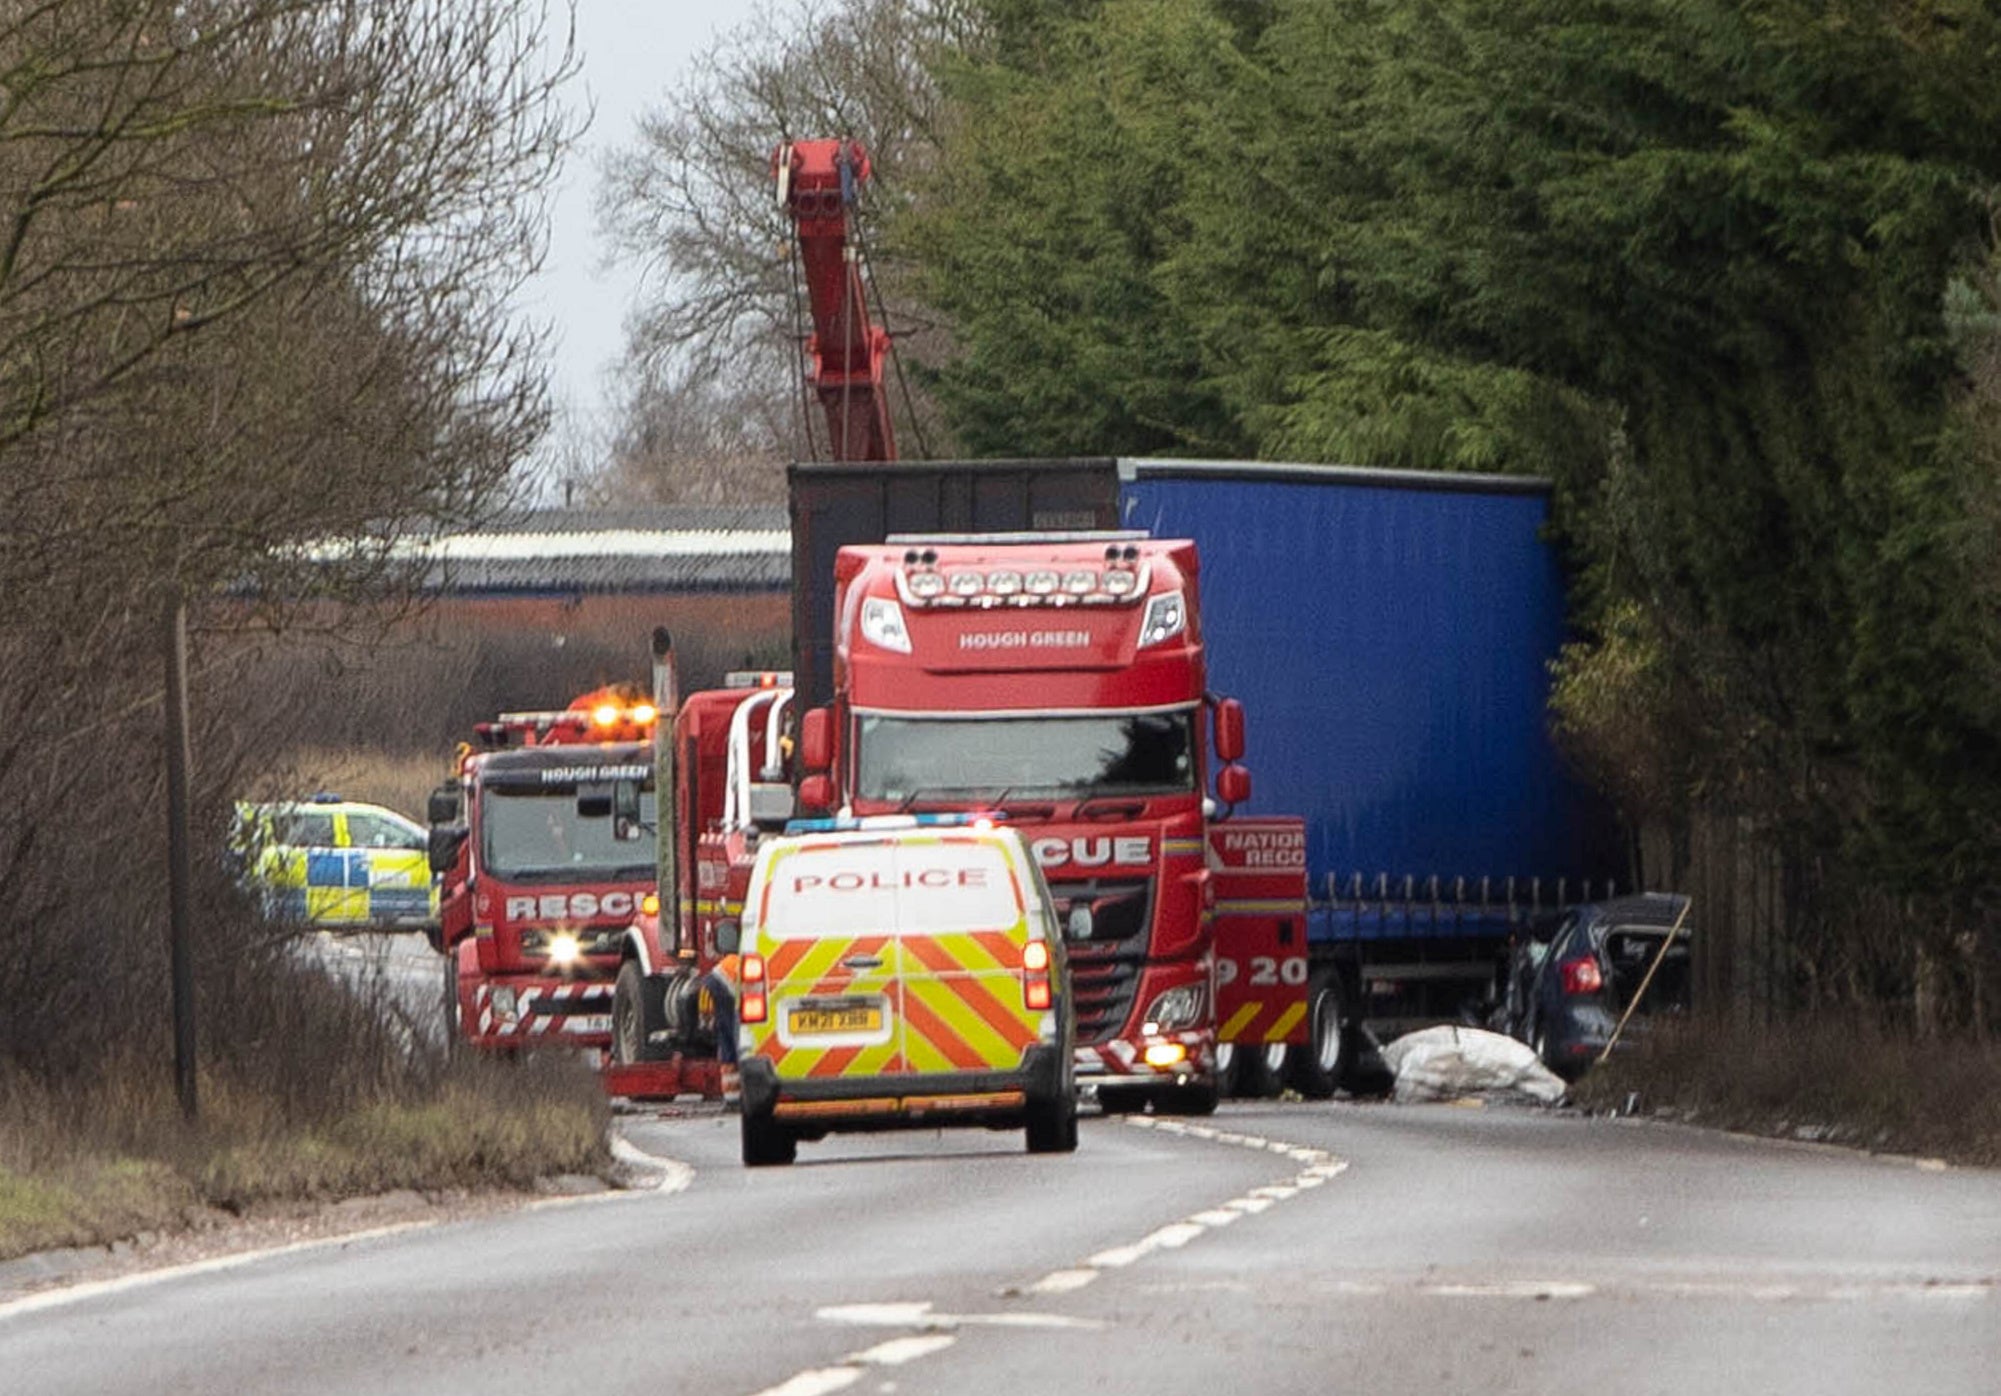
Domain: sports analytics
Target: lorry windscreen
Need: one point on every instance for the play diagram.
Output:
(557, 833)
(1071, 757)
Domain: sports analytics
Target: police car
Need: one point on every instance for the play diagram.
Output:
(336, 863)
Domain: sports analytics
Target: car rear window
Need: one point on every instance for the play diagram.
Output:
(1631, 950)
(932, 887)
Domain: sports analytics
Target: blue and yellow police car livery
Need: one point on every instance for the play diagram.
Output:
(336, 863)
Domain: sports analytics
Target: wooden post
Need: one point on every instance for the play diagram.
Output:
(179, 863)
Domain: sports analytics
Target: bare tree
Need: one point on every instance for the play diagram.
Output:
(720, 321)
(694, 439)
(253, 293)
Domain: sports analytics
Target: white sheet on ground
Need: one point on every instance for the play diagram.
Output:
(1445, 1063)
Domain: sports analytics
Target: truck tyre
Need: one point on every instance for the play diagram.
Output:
(1122, 1100)
(1257, 1070)
(1194, 1098)
(1052, 1126)
(766, 1142)
(1317, 1065)
(638, 1010)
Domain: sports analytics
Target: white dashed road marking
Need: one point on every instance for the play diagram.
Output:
(938, 1328)
(1317, 1167)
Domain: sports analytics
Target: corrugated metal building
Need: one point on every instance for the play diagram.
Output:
(568, 598)
(743, 550)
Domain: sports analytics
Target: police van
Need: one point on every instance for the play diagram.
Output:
(901, 976)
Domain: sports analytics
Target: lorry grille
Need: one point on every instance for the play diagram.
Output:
(1101, 984)
(1119, 912)
(1105, 958)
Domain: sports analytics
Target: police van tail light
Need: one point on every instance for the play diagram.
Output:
(755, 1006)
(1036, 992)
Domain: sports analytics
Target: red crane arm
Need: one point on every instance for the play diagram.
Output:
(818, 183)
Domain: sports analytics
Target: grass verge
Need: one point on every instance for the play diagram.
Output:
(103, 1163)
(1822, 1079)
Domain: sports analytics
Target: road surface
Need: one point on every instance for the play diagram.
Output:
(1274, 1248)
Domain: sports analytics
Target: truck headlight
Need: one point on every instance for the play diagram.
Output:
(1177, 1008)
(882, 625)
(1166, 616)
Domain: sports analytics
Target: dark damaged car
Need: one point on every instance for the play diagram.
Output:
(1570, 979)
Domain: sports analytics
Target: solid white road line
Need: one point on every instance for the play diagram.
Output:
(667, 1176)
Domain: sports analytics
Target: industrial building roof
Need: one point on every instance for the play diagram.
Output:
(662, 548)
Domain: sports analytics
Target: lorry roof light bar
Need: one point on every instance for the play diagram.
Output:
(1123, 580)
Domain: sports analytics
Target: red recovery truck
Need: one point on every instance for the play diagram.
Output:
(543, 843)
(723, 757)
(1058, 681)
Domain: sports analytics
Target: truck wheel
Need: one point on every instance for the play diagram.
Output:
(1317, 1066)
(1196, 1098)
(766, 1142)
(1259, 1070)
(1052, 1126)
(1121, 1100)
(638, 1010)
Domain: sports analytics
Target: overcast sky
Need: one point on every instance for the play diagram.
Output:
(634, 54)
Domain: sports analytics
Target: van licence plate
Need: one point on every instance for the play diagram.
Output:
(826, 1020)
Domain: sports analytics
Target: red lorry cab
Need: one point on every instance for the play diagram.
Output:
(543, 842)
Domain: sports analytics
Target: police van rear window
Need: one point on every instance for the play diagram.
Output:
(929, 887)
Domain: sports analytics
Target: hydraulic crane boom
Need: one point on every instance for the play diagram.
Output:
(818, 183)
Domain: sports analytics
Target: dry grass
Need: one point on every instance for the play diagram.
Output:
(95, 1165)
(1827, 1079)
(399, 781)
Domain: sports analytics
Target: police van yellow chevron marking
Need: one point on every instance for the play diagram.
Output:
(970, 985)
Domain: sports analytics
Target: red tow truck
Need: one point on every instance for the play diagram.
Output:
(542, 840)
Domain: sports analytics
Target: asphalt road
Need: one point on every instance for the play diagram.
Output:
(399, 965)
(1281, 1248)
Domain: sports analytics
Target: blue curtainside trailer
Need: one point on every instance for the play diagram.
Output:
(1390, 634)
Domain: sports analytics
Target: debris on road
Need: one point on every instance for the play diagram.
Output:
(1449, 1062)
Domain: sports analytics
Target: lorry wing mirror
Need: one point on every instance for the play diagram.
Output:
(1233, 784)
(728, 935)
(816, 740)
(442, 844)
(816, 794)
(446, 805)
(1229, 731)
(625, 801)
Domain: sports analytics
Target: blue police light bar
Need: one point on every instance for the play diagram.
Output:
(852, 823)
